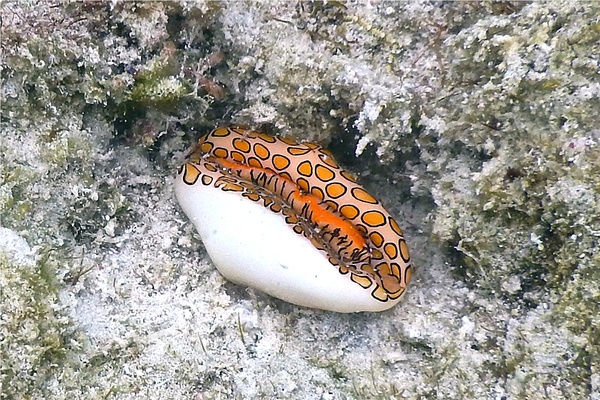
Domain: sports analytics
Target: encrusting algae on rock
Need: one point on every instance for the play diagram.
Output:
(286, 219)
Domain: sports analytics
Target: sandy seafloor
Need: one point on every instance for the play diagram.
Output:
(476, 124)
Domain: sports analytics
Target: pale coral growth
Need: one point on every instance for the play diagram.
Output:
(147, 21)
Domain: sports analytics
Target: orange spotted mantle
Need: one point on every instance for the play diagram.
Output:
(316, 197)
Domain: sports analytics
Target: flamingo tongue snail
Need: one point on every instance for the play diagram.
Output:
(286, 219)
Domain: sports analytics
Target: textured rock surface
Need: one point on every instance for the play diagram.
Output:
(475, 123)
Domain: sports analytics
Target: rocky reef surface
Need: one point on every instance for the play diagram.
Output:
(475, 123)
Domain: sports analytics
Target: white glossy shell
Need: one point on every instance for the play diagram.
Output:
(253, 246)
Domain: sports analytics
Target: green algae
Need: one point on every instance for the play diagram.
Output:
(15, 205)
(35, 335)
(43, 354)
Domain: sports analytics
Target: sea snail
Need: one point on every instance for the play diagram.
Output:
(284, 218)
